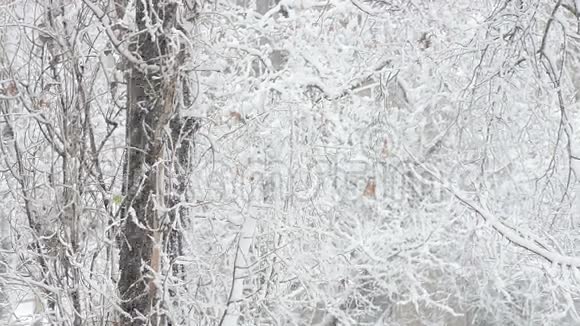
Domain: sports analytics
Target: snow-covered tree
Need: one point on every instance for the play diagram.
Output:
(239, 162)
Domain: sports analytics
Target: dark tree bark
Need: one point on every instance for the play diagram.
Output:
(183, 129)
(150, 107)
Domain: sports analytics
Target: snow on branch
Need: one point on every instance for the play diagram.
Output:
(331, 93)
(515, 236)
(106, 23)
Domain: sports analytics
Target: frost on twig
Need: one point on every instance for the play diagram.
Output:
(515, 236)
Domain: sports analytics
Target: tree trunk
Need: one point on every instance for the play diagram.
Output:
(150, 106)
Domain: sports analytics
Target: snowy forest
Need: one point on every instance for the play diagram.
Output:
(289, 162)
